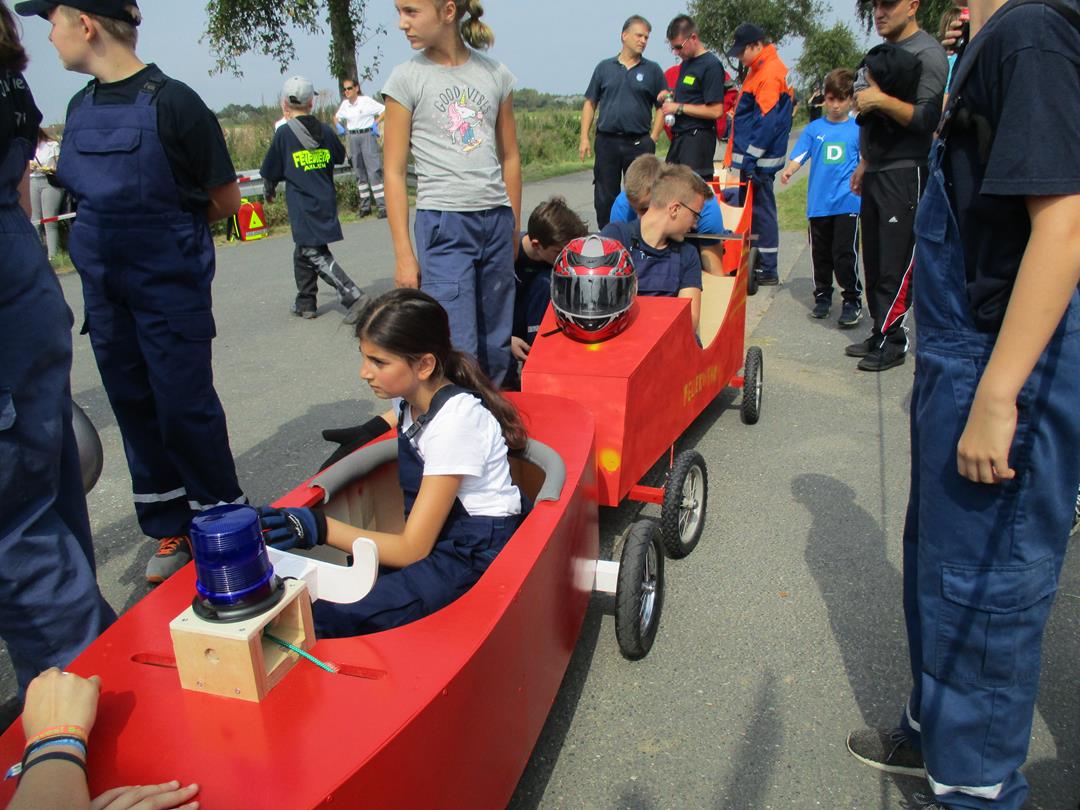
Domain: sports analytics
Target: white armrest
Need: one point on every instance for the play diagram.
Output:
(330, 582)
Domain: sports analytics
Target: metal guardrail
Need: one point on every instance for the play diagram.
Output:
(251, 185)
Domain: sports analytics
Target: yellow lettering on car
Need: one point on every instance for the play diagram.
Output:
(311, 160)
(699, 382)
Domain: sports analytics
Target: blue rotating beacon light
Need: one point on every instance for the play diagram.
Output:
(234, 577)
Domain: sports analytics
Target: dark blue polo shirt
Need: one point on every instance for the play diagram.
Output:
(660, 272)
(1025, 83)
(701, 81)
(626, 97)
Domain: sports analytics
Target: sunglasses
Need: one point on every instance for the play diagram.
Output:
(349, 87)
(680, 46)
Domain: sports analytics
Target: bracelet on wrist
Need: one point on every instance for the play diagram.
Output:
(59, 731)
(54, 755)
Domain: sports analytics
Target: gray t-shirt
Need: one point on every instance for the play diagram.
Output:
(454, 110)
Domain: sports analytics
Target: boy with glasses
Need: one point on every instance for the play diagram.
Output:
(664, 263)
(359, 115)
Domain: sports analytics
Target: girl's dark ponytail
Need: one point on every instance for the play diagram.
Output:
(463, 370)
(411, 323)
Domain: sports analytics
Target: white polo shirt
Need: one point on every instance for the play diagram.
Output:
(359, 114)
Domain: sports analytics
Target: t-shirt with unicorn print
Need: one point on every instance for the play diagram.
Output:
(454, 110)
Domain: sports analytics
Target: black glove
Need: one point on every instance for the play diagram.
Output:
(353, 438)
(291, 527)
(269, 190)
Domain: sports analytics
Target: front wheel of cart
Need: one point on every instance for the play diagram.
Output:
(639, 594)
(682, 515)
(751, 278)
(753, 381)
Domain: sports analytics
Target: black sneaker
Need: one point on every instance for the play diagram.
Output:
(821, 308)
(863, 347)
(767, 279)
(306, 314)
(850, 314)
(889, 355)
(352, 314)
(922, 801)
(382, 214)
(891, 751)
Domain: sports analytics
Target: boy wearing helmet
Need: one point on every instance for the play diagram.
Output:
(664, 264)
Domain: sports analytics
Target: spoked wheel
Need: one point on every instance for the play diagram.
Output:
(686, 494)
(753, 381)
(751, 279)
(639, 594)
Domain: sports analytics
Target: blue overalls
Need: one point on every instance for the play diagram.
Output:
(981, 562)
(50, 605)
(465, 548)
(146, 267)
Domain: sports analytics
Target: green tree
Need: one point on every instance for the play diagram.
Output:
(235, 27)
(825, 49)
(928, 14)
(779, 19)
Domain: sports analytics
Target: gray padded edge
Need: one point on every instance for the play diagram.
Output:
(551, 463)
(353, 466)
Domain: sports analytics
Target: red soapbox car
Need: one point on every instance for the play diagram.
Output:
(475, 681)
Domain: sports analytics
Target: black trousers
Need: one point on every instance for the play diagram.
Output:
(696, 149)
(310, 263)
(834, 247)
(614, 153)
(889, 200)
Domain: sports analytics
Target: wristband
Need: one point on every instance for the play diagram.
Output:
(61, 755)
(73, 742)
(59, 731)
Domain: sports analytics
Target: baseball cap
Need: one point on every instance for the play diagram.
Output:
(113, 9)
(744, 35)
(298, 90)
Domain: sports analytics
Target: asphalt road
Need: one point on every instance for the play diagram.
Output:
(781, 632)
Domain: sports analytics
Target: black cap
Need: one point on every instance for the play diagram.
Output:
(745, 34)
(113, 9)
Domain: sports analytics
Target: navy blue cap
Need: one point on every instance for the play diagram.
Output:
(745, 34)
(113, 9)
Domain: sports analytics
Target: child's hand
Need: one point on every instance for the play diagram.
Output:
(407, 273)
(956, 29)
(785, 176)
(982, 454)
(519, 348)
(147, 797)
(56, 698)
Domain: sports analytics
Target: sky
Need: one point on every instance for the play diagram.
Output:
(550, 45)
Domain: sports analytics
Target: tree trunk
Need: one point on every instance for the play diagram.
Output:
(342, 40)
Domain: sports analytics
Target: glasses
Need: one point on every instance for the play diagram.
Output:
(349, 87)
(697, 214)
(678, 48)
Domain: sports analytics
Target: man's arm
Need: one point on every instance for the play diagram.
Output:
(707, 112)
(1045, 283)
(588, 111)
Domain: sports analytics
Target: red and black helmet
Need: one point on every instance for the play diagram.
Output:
(593, 285)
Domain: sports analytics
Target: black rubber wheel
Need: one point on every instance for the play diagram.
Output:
(686, 494)
(753, 382)
(751, 278)
(639, 594)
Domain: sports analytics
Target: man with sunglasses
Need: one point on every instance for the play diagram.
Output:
(359, 114)
(697, 101)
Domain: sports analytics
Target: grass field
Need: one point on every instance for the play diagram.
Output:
(791, 205)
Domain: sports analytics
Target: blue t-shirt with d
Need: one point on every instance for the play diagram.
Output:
(833, 152)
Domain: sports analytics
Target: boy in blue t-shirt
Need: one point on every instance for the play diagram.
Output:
(665, 265)
(832, 144)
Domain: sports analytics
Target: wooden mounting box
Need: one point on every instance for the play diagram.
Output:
(233, 659)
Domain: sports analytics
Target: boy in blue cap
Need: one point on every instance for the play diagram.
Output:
(147, 162)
